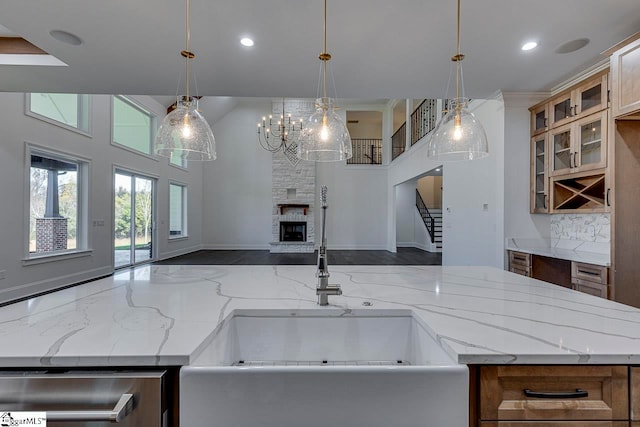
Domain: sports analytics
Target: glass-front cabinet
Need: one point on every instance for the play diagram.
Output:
(539, 175)
(539, 119)
(587, 98)
(562, 150)
(591, 135)
(580, 145)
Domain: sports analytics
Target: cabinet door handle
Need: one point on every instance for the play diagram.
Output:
(570, 160)
(556, 395)
(608, 191)
(545, 122)
(545, 201)
(575, 109)
(122, 408)
(575, 159)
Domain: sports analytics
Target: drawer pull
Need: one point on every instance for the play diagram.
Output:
(592, 273)
(556, 395)
(123, 407)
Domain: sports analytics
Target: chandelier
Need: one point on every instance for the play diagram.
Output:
(280, 136)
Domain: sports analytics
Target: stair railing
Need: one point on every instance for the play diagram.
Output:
(428, 220)
(399, 141)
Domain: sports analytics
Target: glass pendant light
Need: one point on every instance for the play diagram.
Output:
(325, 137)
(459, 135)
(184, 133)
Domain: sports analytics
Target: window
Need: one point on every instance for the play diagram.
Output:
(178, 161)
(133, 126)
(177, 211)
(67, 109)
(56, 203)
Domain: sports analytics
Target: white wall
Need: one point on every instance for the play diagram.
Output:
(471, 236)
(430, 188)
(18, 129)
(518, 222)
(237, 186)
(357, 212)
(237, 195)
(405, 213)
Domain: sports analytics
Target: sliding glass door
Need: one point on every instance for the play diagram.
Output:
(134, 200)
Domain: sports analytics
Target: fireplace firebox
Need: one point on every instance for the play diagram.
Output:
(293, 231)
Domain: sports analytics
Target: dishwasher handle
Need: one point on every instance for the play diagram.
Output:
(123, 407)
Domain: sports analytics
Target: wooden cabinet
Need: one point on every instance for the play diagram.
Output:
(635, 394)
(625, 219)
(539, 118)
(583, 192)
(579, 146)
(569, 150)
(542, 394)
(625, 80)
(583, 99)
(590, 279)
(557, 424)
(520, 263)
(539, 174)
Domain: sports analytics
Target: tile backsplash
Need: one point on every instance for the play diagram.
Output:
(582, 227)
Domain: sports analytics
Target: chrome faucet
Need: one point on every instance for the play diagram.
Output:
(324, 289)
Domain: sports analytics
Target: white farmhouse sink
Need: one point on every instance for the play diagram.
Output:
(278, 368)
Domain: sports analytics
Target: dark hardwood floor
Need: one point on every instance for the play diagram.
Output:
(404, 256)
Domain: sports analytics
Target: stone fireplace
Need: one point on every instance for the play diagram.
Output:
(293, 191)
(293, 231)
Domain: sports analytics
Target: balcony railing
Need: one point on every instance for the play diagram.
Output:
(423, 119)
(398, 141)
(366, 152)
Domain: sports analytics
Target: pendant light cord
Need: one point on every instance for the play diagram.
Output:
(189, 40)
(458, 58)
(324, 51)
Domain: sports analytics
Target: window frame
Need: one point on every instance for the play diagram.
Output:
(83, 114)
(184, 211)
(152, 126)
(83, 237)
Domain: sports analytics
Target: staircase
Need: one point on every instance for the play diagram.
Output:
(437, 227)
(432, 219)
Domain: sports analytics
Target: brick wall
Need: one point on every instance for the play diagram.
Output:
(51, 234)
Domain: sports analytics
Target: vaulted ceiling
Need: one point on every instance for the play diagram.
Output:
(380, 48)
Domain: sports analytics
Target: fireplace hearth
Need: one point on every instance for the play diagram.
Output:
(293, 231)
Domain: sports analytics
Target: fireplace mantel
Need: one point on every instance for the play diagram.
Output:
(284, 206)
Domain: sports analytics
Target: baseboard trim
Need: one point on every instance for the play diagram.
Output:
(234, 247)
(33, 289)
(178, 252)
(413, 245)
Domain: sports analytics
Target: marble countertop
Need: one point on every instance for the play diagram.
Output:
(572, 250)
(165, 315)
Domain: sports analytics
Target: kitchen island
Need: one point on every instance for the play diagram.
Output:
(164, 316)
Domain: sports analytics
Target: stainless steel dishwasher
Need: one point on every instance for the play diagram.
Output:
(84, 398)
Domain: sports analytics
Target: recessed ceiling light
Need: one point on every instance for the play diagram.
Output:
(529, 46)
(438, 170)
(246, 41)
(66, 37)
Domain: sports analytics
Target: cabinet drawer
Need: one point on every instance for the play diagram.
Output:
(590, 288)
(523, 271)
(519, 259)
(589, 273)
(557, 424)
(503, 396)
(635, 396)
